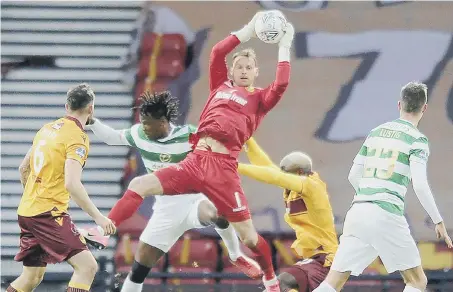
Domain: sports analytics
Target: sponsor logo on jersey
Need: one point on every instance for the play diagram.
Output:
(231, 96)
(423, 155)
(57, 126)
(81, 151)
(165, 157)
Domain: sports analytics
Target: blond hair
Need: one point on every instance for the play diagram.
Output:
(248, 53)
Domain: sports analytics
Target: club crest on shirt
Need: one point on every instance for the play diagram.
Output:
(165, 157)
(81, 151)
(57, 126)
(423, 155)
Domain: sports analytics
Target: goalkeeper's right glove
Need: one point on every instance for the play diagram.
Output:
(248, 31)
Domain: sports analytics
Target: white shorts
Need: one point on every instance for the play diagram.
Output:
(369, 231)
(166, 225)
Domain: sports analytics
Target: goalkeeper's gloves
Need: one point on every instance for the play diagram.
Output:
(284, 46)
(248, 31)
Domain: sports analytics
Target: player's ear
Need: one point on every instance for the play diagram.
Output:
(257, 72)
(66, 106)
(399, 105)
(424, 107)
(91, 108)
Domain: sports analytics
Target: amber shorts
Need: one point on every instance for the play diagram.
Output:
(309, 273)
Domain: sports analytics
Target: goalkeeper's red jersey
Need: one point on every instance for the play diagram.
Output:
(232, 113)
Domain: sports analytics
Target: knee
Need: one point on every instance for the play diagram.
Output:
(145, 185)
(88, 269)
(222, 223)
(207, 214)
(419, 281)
(92, 268)
(147, 255)
(250, 239)
(30, 280)
(35, 280)
(287, 282)
(211, 213)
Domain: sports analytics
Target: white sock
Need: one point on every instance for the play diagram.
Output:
(270, 282)
(411, 289)
(130, 286)
(231, 241)
(324, 287)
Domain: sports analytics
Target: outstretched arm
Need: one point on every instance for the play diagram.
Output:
(256, 154)
(274, 92)
(273, 176)
(107, 134)
(218, 71)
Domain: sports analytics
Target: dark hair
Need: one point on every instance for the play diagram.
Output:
(158, 105)
(413, 97)
(80, 96)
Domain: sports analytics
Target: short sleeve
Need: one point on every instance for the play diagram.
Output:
(77, 149)
(420, 150)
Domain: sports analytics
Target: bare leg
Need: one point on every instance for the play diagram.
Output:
(248, 235)
(139, 188)
(415, 279)
(334, 281)
(207, 214)
(30, 278)
(145, 258)
(288, 282)
(85, 269)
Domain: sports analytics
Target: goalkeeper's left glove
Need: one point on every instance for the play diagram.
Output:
(248, 31)
(284, 46)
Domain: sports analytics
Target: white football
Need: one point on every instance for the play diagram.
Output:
(269, 26)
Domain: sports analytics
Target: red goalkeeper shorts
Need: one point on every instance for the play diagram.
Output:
(213, 174)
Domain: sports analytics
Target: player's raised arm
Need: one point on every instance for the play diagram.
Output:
(256, 154)
(273, 176)
(107, 134)
(274, 92)
(24, 168)
(218, 70)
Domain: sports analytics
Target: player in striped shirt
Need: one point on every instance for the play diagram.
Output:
(392, 155)
(162, 144)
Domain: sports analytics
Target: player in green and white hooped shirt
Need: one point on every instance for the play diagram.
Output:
(161, 144)
(392, 155)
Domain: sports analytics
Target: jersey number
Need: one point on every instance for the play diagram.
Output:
(38, 156)
(387, 156)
